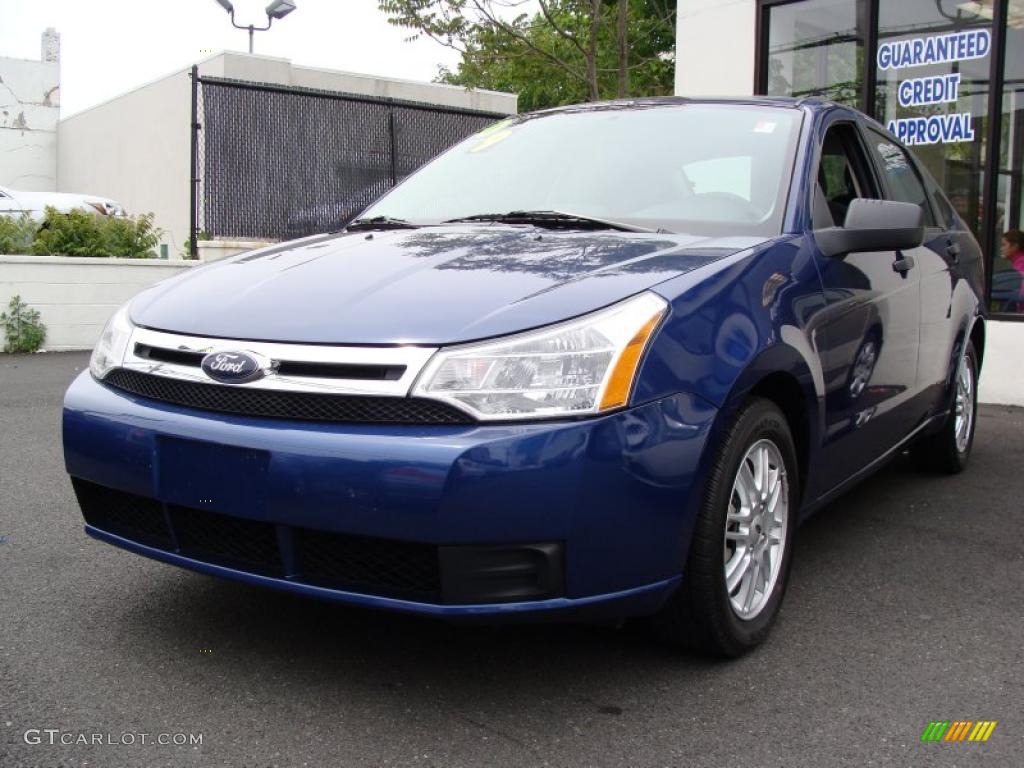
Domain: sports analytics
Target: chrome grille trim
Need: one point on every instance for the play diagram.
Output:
(412, 358)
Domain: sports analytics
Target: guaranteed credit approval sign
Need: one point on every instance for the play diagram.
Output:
(938, 89)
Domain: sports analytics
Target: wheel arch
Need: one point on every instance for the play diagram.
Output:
(781, 375)
(977, 337)
(785, 392)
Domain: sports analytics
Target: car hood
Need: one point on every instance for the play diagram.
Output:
(433, 285)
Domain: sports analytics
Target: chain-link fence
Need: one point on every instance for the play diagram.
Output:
(276, 162)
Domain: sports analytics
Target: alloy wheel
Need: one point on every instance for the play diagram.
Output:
(755, 529)
(964, 405)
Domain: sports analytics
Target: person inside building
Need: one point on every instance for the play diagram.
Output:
(1013, 252)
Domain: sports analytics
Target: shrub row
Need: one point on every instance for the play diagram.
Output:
(79, 233)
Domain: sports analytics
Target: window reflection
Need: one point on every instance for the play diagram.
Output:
(816, 48)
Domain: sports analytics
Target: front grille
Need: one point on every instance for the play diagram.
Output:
(350, 371)
(340, 561)
(305, 406)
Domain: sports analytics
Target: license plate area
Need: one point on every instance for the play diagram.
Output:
(222, 478)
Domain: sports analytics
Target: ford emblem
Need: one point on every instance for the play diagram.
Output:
(233, 367)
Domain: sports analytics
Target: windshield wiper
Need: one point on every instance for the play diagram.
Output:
(378, 222)
(552, 219)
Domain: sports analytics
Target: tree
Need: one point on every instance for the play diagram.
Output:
(566, 52)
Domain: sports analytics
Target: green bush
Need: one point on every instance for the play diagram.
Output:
(16, 234)
(22, 330)
(79, 233)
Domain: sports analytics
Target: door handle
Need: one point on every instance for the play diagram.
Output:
(903, 264)
(953, 250)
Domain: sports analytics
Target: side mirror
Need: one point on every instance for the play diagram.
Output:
(874, 225)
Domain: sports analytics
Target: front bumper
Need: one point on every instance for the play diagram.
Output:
(614, 496)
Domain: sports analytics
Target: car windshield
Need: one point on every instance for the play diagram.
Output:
(703, 169)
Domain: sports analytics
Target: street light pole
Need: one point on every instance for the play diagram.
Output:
(277, 9)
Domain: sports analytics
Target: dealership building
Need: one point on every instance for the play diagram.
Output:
(945, 76)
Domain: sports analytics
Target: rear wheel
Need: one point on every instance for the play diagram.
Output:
(741, 549)
(948, 450)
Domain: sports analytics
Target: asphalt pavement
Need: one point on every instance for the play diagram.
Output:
(906, 605)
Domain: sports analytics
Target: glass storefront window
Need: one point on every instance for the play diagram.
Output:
(923, 68)
(932, 91)
(816, 48)
(1008, 252)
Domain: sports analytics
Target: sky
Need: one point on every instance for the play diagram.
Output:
(111, 46)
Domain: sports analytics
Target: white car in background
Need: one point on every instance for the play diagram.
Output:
(15, 202)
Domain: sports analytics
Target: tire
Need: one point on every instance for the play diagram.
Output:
(949, 450)
(702, 615)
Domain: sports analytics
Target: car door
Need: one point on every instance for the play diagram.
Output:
(867, 334)
(937, 263)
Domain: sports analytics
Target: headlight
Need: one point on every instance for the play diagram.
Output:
(113, 343)
(577, 368)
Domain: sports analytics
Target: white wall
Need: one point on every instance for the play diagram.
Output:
(1002, 371)
(715, 47)
(222, 248)
(76, 296)
(29, 108)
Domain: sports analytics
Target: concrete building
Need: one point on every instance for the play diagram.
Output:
(29, 111)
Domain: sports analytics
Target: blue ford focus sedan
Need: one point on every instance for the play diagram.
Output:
(595, 362)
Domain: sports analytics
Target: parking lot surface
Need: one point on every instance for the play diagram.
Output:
(906, 605)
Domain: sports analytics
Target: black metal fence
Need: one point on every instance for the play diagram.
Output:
(276, 162)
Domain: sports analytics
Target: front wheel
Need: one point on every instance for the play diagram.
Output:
(741, 549)
(948, 450)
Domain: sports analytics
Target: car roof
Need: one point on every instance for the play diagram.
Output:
(814, 104)
(791, 102)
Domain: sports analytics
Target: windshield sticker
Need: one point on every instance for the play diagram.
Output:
(491, 135)
(764, 126)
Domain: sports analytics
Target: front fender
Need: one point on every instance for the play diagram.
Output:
(730, 324)
(735, 324)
